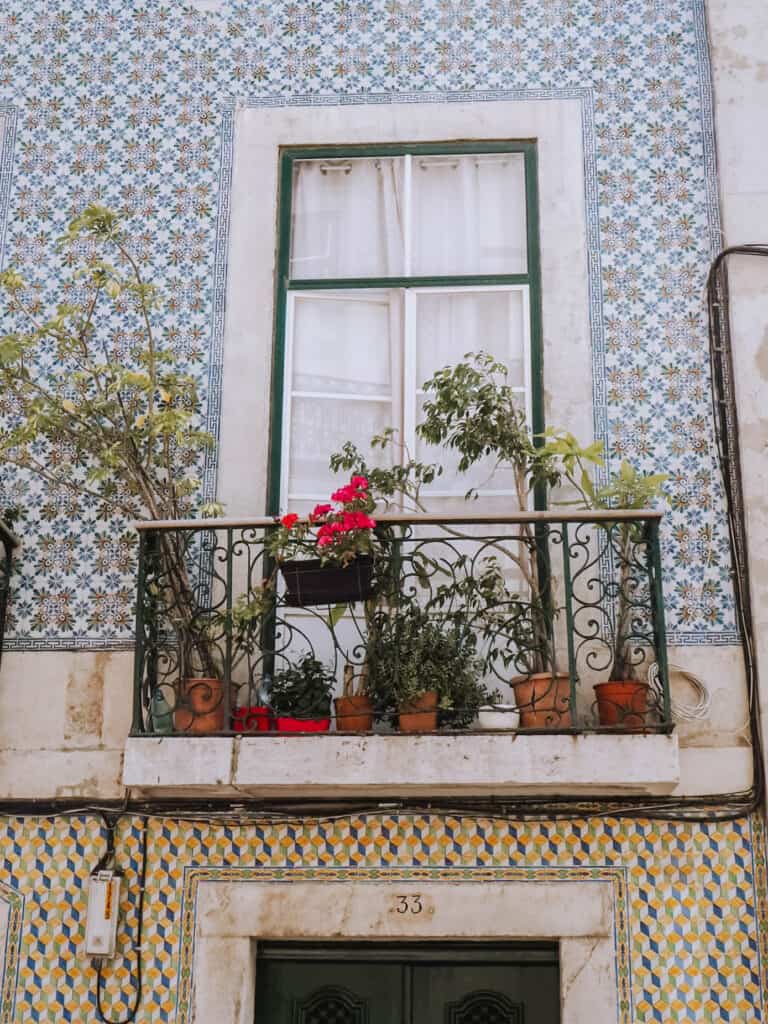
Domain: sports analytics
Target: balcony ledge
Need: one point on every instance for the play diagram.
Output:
(456, 764)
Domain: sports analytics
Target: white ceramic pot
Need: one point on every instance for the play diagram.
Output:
(497, 716)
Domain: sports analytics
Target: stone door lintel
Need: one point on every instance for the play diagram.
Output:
(232, 917)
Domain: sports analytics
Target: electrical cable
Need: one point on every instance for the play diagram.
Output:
(683, 712)
(139, 981)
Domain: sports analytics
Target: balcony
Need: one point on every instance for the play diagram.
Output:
(521, 614)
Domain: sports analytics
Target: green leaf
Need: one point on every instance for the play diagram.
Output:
(336, 614)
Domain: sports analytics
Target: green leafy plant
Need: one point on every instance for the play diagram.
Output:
(12, 516)
(472, 409)
(303, 691)
(627, 489)
(117, 429)
(411, 653)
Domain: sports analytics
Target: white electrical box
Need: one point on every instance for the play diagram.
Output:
(101, 917)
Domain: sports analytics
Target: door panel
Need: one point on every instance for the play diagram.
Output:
(295, 992)
(476, 993)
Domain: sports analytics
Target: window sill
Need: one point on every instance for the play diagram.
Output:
(458, 764)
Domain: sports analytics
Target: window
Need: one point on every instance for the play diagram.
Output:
(394, 262)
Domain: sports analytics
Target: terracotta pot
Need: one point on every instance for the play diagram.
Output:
(353, 714)
(544, 700)
(623, 703)
(253, 718)
(309, 582)
(200, 706)
(287, 724)
(420, 715)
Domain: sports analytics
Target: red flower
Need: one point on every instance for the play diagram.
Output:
(290, 520)
(319, 511)
(324, 541)
(359, 482)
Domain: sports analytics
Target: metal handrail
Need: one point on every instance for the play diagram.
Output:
(427, 519)
(194, 574)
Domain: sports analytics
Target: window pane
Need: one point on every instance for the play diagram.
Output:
(450, 324)
(342, 343)
(320, 426)
(347, 218)
(469, 214)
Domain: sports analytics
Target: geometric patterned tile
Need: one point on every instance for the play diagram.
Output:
(691, 899)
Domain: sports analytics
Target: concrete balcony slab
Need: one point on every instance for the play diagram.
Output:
(451, 764)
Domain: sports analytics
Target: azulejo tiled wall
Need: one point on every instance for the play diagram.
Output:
(130, 103)
(690, 924)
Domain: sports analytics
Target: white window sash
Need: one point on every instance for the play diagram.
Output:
(405, 388)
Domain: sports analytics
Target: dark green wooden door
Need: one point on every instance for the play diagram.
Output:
(406, 984)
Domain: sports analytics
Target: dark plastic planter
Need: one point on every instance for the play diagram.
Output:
(309, 582)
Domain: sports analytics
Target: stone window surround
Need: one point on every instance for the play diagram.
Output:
(232, 917)
(260, 133)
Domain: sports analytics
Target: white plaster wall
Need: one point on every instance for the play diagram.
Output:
(64, 718)
(738, 34)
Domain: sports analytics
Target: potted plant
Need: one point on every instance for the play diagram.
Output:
(472, 409)
(246, 623)
(328, 558)
(117, 430)
(423, 672)
(354, 709)
(622, 701)
(301, 697)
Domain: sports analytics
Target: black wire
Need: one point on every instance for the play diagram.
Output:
(131, 1016)
(726, 423)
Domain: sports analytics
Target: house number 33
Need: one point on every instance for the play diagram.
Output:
(410, 904)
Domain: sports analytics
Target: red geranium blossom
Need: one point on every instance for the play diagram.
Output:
(319, 511)
(290, 520)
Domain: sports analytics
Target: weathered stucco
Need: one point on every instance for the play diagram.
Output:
(740, 67)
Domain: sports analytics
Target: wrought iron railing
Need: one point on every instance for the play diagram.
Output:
(8, 542)
(525, 613)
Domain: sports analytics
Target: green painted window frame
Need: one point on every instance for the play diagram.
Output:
(284, 284)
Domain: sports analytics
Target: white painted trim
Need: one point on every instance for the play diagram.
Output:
(232, 917)
(407, 218)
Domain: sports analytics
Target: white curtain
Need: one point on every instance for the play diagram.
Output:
(448, 325)
(469, 214)
(347, 218)
(346, 354)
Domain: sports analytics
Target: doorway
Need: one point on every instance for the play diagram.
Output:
(407, 983)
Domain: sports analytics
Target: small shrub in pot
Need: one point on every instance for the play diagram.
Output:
(301, 696)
